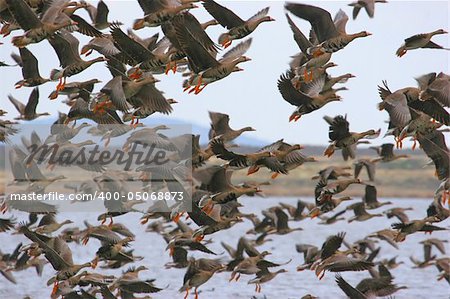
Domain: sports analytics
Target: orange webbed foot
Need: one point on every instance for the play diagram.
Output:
(144, 177)
(192, 89)
(321, 276)
(61, 85)
(414, 144)
(5, 30)
(311, 76)
(226, 43)
(197, 86)
(55, 288)
(136, 123)
(177, 217)
(317, 53)
(308, 76)
(200, 89)
(137, 74)
(305, 73)
(94, 263)
(207, 209)
(85, 240)
(168, 68)
(3, 207)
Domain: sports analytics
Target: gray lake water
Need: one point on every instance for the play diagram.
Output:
(421, 283)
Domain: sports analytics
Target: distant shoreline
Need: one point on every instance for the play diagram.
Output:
(404, 178)
(354, 195)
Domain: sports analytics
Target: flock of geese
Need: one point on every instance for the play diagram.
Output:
(132, 94)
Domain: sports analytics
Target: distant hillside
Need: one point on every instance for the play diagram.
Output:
(403, 178)
(317, 150)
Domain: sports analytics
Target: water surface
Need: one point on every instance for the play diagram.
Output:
(421, 283)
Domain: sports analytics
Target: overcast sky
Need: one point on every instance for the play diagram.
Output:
(251, 97)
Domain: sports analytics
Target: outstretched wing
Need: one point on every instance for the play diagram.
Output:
(223, 15)
(339, 128)
(289, 93)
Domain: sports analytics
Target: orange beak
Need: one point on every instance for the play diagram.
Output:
(138, 24)
(315, 214)
(53, 95)
(328, 152)
(252, 169)
(84, 50)
(199, 238)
